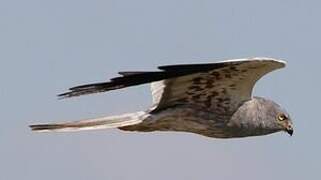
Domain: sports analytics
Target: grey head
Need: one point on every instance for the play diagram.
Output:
(260, 116)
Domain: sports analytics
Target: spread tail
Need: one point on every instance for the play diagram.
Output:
(92, 124)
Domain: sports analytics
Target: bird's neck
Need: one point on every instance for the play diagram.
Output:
(249, 119)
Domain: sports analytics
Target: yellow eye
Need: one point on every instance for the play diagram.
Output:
(282, 117)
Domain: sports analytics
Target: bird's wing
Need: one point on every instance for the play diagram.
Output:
(219, 87)
(133, 78)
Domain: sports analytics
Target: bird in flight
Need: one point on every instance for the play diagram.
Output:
(213, 100)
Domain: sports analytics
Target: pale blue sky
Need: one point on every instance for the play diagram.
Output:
(49, 46)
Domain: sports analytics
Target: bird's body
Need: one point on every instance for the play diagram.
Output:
(213, 100)
(196, 120)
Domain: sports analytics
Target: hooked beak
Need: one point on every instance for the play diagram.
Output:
(290, 130)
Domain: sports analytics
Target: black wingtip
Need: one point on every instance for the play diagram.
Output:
(70, 94)
(90, 89)
(65, 95)
(133, 78)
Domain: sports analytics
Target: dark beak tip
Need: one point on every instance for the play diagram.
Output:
(290, 132)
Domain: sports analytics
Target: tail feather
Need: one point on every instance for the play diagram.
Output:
(92, 124)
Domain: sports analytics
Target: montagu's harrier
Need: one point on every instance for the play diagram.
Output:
(213, 100)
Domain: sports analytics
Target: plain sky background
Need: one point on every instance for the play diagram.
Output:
(48, 46)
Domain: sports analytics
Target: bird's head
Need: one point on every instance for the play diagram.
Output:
(275, 116)
(260, 116)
